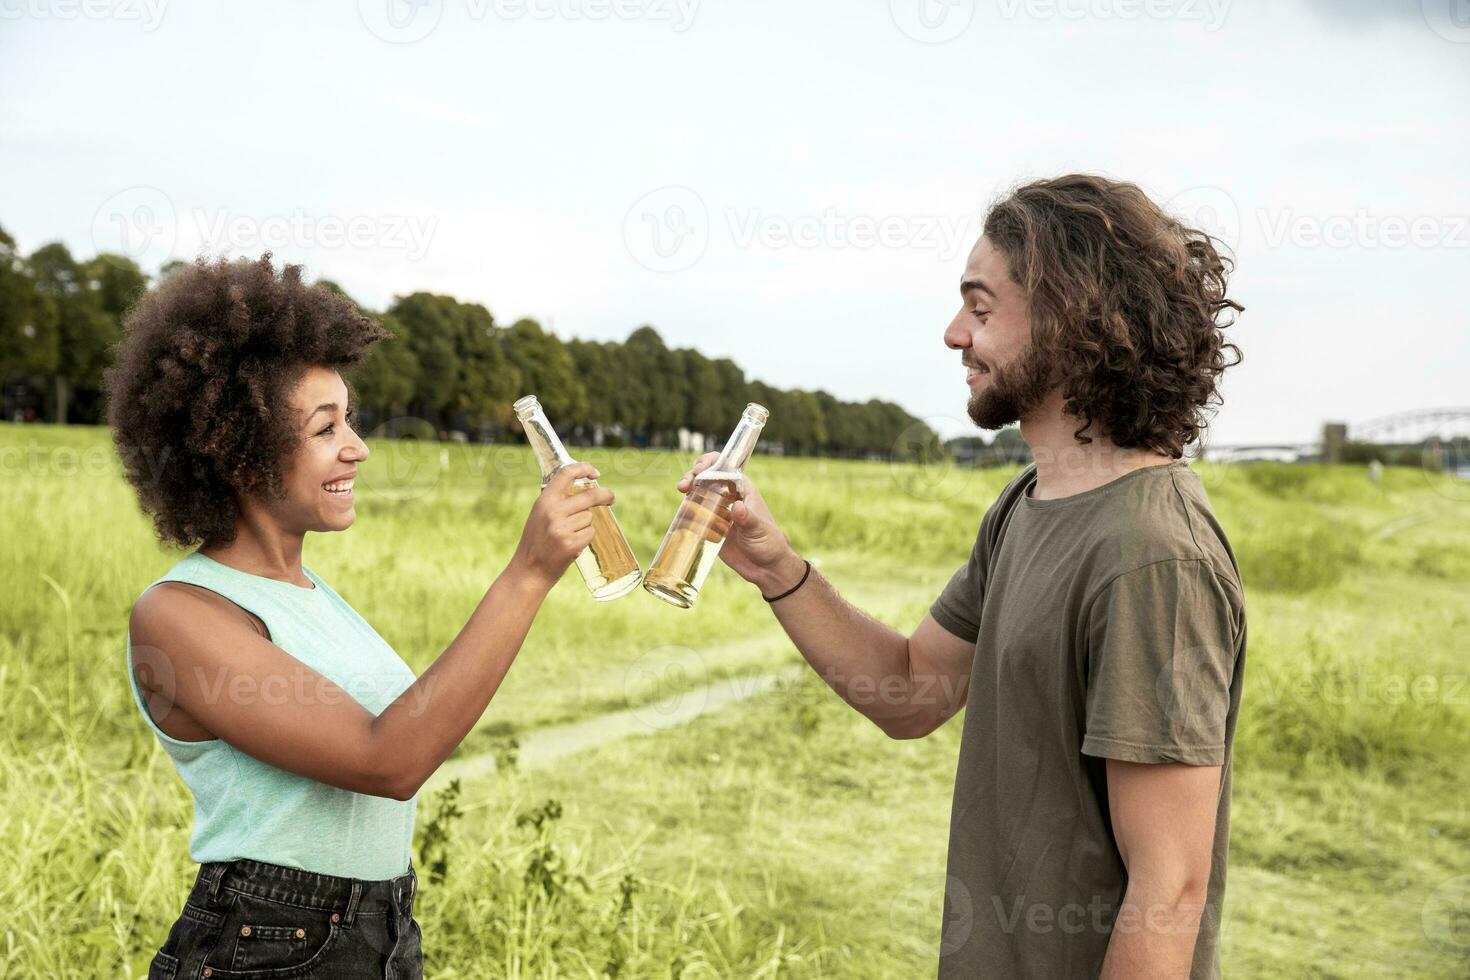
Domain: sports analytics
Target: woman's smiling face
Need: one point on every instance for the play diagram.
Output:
(320, 474)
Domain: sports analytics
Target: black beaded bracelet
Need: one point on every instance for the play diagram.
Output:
(794, 587)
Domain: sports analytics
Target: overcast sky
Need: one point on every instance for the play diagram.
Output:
(793, 185)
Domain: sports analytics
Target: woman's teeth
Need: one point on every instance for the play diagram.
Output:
(345, 487)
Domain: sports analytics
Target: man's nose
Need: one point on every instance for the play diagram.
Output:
(957, 334)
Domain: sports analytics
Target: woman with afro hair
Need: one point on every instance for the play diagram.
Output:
(301, 734)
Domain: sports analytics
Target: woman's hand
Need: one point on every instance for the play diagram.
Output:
(559, 526)
(755, 548)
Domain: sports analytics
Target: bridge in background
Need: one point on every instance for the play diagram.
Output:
(1438, 434)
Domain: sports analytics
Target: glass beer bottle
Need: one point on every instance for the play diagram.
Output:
(607, 564)
(692, 543)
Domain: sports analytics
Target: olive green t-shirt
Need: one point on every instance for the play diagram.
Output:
(1107, 625)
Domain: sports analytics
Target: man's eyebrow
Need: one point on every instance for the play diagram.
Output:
(979, 284)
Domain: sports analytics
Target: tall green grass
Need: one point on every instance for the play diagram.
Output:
(785, 837)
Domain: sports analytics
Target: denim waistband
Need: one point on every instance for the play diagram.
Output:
(308, 889)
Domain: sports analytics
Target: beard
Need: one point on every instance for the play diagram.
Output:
(1013, 391)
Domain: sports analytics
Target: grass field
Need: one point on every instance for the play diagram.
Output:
(783, 836)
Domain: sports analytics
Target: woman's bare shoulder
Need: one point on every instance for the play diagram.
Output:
(164, 603)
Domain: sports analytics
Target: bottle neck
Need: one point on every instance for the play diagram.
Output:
(551, 455)
(740, 445)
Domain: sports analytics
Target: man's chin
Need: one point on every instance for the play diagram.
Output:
(990, 413)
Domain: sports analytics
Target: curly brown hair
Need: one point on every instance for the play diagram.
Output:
(1125, 300)
(198, 396)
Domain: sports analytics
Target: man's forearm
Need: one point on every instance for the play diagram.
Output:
(1154, 934)
(863, 660)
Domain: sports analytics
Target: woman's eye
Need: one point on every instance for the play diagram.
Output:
(325, 431)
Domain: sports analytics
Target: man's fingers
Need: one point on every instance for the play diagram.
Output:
(747, 519)
(700, 465)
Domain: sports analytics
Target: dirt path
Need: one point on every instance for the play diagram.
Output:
(545, 746)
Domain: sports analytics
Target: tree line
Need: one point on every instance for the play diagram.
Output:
(449, 362)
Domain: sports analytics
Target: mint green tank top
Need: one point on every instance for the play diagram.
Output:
(245, 808)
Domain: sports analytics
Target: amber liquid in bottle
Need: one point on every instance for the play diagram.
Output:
(607, 564)
(693, 541)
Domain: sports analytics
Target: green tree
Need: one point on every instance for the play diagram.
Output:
(1009, 447)
(807, 431)
(703, 404)
(657, 367)
(843, 425)
(546, 370)
(116, 281)
(487, 382)
(428, 325)
(591, 362)
(389, 376)
(29, 331)
(87, 331)
(734, 393)
(630, 391)
(777, 433)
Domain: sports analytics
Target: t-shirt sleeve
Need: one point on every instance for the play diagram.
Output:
(958, 607)
(1161, 660)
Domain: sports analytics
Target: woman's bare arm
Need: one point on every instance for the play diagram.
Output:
(265, 702)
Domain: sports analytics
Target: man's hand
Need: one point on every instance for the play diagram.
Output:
(907, 686)
(755, 548)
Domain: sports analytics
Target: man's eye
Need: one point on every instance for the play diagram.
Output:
(980, 314)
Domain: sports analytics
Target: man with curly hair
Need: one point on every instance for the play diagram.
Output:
(1097, 631)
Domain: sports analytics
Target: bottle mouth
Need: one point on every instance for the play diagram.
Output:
(757, 413)
(526, 406)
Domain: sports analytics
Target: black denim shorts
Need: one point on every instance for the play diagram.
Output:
(248, 920)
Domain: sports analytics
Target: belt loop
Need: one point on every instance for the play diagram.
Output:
(212, 873)
(352, 903)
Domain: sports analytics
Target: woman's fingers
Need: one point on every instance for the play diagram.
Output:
(585, 500)
(561, 481)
